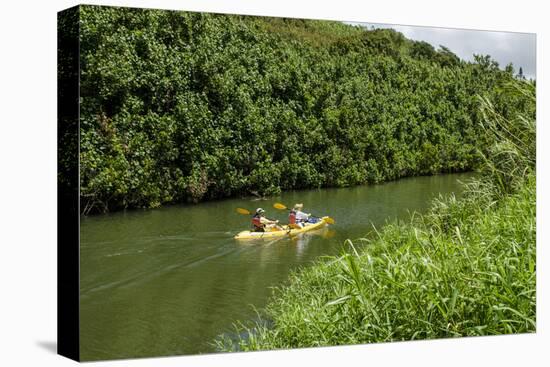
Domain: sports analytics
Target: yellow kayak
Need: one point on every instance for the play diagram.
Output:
(286, 231)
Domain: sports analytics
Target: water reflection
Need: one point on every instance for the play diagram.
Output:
(302, 240)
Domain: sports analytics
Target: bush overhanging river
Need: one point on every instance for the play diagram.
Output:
(180, 106)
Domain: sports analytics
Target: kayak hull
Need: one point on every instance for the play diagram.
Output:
(251, 235)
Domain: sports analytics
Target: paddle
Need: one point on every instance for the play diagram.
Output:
(243, 211)
(280, 206)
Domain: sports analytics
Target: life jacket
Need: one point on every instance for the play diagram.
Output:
(256, 222)
(292, 217)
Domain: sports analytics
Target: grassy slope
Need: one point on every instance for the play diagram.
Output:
(318, 33)
(461, 274)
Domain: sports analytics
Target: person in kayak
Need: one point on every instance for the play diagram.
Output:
(297, 216)
(261, 223)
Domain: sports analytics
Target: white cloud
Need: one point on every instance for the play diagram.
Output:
(504, 47)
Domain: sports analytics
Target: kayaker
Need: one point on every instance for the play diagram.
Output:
(297, 216)
(261, 223)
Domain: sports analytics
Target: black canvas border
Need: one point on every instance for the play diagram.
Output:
(68, 184)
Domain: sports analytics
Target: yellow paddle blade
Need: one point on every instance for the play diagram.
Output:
(329, 220)
(243, 211)
(279, 206)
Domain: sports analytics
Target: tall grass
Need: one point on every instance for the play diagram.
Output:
(513, 153)
(466, 268)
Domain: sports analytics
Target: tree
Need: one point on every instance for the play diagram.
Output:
(422, 50)
(509, 69)
(446, 57)
(520, 74)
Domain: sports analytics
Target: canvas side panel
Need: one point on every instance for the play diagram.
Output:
(68, 244)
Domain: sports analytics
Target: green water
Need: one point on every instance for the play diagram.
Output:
(168, 281)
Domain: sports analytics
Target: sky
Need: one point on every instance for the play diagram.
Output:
(504, 47)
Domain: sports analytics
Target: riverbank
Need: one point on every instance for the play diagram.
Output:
(462, 270)
(467, 267)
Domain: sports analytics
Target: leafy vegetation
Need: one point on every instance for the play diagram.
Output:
(180, 106)
(466, 268)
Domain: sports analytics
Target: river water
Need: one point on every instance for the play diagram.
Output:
(169, 281)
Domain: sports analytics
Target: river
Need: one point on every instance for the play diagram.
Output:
(168, 281)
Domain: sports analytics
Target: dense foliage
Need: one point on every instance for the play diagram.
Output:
(466, 268)
(180, 106)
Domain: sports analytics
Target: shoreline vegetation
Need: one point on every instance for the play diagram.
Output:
(188, 107)
(466, 268)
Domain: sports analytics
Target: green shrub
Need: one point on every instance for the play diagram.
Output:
(263, 104)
